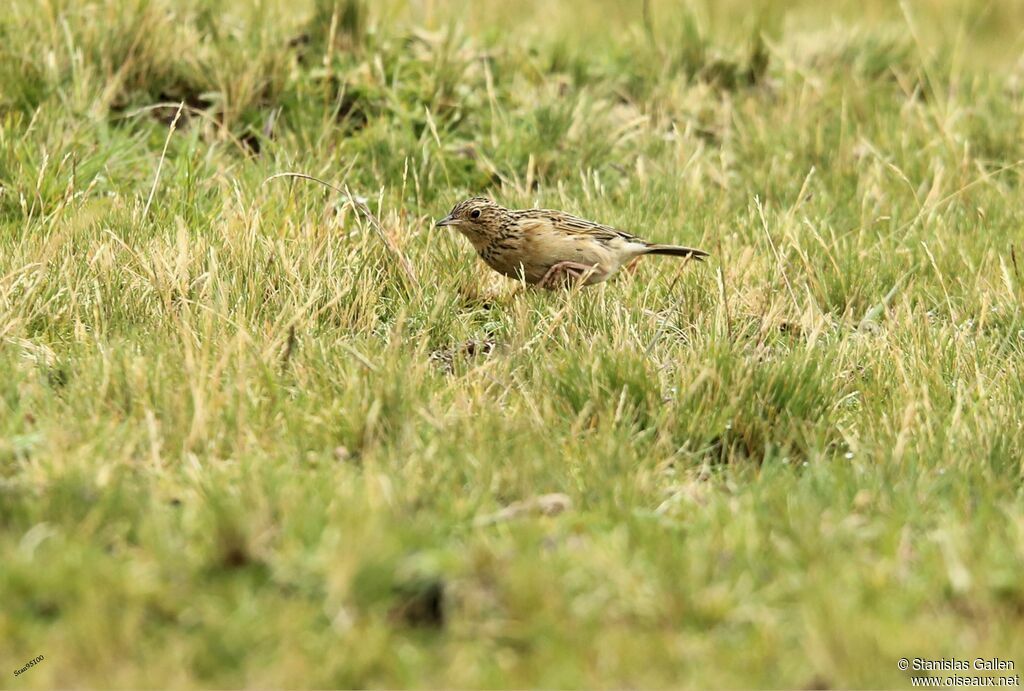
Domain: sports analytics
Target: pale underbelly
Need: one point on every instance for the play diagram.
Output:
(535, 272)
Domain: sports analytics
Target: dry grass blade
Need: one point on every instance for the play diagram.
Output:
(160, 164)
(359, 205)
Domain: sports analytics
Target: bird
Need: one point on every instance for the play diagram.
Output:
(549, 248)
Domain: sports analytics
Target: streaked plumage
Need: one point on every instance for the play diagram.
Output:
(547, 247)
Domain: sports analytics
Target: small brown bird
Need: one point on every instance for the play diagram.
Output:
(550, 248)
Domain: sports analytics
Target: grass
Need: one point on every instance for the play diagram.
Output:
(249, 438)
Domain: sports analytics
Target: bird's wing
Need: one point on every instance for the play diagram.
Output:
(561, 222)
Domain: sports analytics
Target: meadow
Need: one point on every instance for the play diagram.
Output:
(257, 431)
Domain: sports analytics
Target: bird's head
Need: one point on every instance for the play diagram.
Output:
(474, 217)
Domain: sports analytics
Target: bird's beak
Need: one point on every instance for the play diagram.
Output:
(446, 221)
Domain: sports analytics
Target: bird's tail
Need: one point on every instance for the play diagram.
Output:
(676, 251)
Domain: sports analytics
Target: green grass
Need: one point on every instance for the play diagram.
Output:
(249, 439)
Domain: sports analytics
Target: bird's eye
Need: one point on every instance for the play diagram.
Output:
(475, 214)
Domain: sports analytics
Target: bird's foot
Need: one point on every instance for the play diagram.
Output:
(563, 274)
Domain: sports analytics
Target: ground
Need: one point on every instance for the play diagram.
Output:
(255, 431)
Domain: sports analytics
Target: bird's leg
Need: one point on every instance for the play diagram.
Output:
(561, 273)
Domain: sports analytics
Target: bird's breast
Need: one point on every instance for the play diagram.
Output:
(512, 257)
